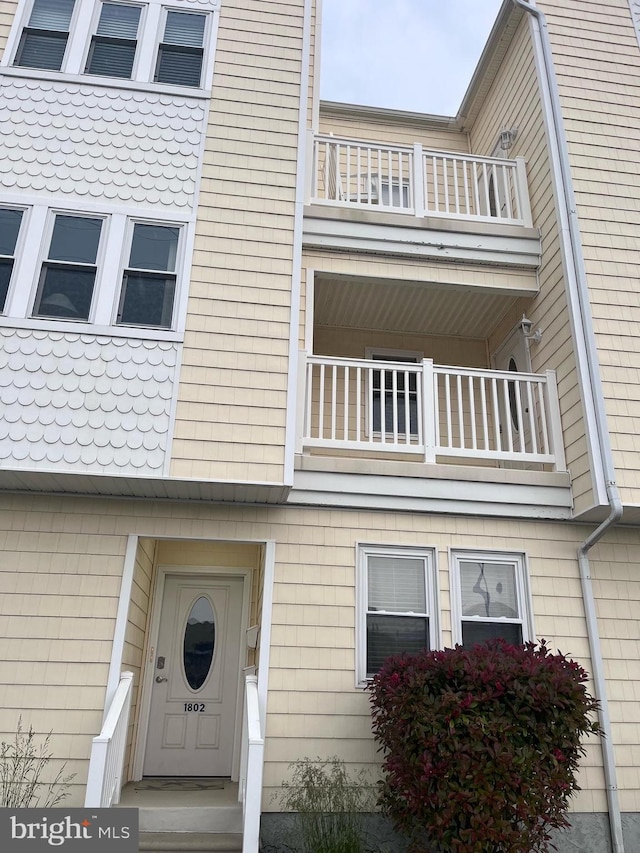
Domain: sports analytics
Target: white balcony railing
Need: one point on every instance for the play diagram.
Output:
(106, 764)
(251, 766)
(432, 411)
(417, 181)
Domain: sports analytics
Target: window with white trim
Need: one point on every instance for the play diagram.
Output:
(149, 280)
(43, 41)
(68, 272)
(181, 49)
(396, 605)
(77, 275)
(490, 598)
(112, 51)
(10, 222)
(145, 42)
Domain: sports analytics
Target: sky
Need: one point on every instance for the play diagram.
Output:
(414, 55)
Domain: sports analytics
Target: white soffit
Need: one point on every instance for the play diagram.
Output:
(409, 308)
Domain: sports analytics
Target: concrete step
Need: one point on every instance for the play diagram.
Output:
(190, 842)
(185, 807)
(191, 819)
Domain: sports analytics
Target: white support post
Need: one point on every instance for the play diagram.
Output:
(555, 423)
(418, 181)
(522, 191)
(311, 178)
(301, 398)
(429, 410)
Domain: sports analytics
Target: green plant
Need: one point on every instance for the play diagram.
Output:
(329, 805)
(481, 745)
(22, 764)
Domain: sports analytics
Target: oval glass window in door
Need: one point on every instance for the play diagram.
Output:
(199, 642)
(513, 405)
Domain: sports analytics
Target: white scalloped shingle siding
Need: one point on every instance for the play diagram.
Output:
(85, 403)
(110, 144)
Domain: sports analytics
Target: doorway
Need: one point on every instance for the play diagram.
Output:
(195, 667)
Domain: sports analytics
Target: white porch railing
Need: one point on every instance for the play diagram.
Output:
(414, 180)
(107, 752)
(251, 765)
(432, 411)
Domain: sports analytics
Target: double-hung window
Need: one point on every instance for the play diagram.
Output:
(113, 46)
(181, 50)
(68, 272)
(149, 280)
(396, 612)
(490, 598)
(44, 40)
(10, 221)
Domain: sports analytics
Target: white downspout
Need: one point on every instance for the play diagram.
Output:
(572, 247)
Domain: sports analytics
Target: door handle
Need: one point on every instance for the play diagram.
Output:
(160, 679)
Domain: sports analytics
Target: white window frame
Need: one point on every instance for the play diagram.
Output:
(207, 39)
(82, 28)
(43, 257)
(93, 31)
(393, 355)
(363, 553)
(17, 252)
(124, 265)
(523, 593)
(21, 22)
(113, 254)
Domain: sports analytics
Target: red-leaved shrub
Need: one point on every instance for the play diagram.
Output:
(481, 745)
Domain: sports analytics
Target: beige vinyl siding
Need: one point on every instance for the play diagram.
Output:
(135, 634)
(443, 350)
(598, 68)
(64, 557)
(7, 14)
(230, 421)
(514, 102)
(58, 602)
(406, 131)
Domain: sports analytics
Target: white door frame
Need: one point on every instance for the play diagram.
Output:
(151, 643)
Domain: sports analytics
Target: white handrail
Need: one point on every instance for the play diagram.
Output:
(432, 410)
(252, 766)
(106, 764)
(418, 181)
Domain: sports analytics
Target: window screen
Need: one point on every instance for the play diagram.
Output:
(44, 39)
(181, 50)
(68, 275)
(490, 601)
(149, 281)
(113, 47)
(10, 221)
(397, 617)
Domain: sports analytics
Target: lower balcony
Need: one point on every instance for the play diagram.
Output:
(430, 413)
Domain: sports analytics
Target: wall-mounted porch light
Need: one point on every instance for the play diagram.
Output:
(507, 138)
(526, 329)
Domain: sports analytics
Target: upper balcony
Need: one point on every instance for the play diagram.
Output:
(429, 437)
(420, 202)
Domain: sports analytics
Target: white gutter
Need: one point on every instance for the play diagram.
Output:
(296, 273)
(586, 353)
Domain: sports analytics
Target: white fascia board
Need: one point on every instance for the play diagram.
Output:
(454, 497)
(512, 251)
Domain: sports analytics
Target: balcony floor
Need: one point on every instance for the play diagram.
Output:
(437, 488)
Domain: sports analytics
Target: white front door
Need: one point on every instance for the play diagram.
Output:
(515, 417)
(195, 680)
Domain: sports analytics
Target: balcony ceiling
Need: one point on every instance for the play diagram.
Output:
(410, 308)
